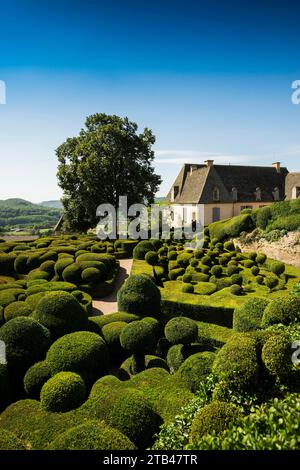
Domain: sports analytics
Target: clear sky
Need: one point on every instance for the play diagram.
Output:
(211, 79)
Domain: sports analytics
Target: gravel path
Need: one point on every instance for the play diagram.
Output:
(109, 304)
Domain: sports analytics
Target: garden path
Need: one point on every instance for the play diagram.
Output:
(109, 304)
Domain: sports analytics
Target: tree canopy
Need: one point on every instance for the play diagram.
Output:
(108, 159)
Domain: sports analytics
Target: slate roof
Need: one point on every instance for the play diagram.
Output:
(292, 180)
(197, 187)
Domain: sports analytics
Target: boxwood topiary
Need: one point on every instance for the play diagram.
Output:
(261, 258)
(91, 275)
(237, 279)
(235, 289)
(48, 267)
(142, 248)
(255, 270)
(188, 288)
(61, 264)
(260, 280)
(8, 441)
(92, 435)
(175, 273)
(276, 355)
(111, 334)
(248, 316)
(83, 352)
(63, 392)
(213, 418)
(236, 362)
(72, 273)
(232, 269)
(4, 387)
(271, 282)
(20, 264)
(216, 271)
(181, 330)
(138, 338)
(34, 379)
(134, 417)
(277, 268)
(16, 309)
(195, 369)
(139, 295)
(61, 313)
(26, 342)
(285, 310)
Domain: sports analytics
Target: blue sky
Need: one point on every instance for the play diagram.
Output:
(211, 79)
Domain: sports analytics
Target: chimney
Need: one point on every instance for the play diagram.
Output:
(209, 163)
(276, 165)
(193, 168)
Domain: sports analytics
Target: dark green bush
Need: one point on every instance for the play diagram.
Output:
(92, 435)
(285, 310)
(175, 273)
(271, 282)
(263, 215)
(216, 271)
(195, 369)
(255, 270)
(7, 261)
(61, 313)
(232, 269)
(91, 275)
(16, 309)
(72, 273)
(187, 278)
(139, 339)
(151, 258)
(111, 334)
(181, 330)
(248, 263)
(277, 268)
(188, 288)
(83, 352)
(248, 316)
(63, 392)
(20, 264)
(35, 377)
(260, 280)
(4, 387)
(236, 289)
(8, 441)
(213, 418)
(261, 258)
(237, 279)
(276, 355)
(134, 417)
(48, 267)
(26, 342)
(139, 295)
(229, 246)
(61, 265)
(142, 249)
(236, 362)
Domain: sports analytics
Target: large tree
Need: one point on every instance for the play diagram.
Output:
(107, 160)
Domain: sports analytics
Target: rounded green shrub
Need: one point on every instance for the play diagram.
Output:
(92, 435)
(277, 268)
(141, 249)
(72, 273)
(26, 342)
(260, 280)
(181, 330)
(34, 379)
(285, 310)
(235, 289)
(261, 259)
(187, 278)
(232, 269)
(248, 263)
(111, 334)
(139, 295)
(255, 270)
(4, 387)
(236, 362)
(248, 316)
(151, 258)
(213, 418)
(20, 264)
(195, 369)
(252, 255)
(271, 282)
(83, 352)
(38, 274)
(276, 355)
(61, 265)
(48, 267)
(229, 246)
(134, 417)
(16, 309)
(237, 279)
(63, 392)
(138, 338)
(61, 313)
(91, 275)
(216, 271)
(188, 288)
(7, 261)
(175, 273)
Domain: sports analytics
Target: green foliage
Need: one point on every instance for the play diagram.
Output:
(4, 387)
(216, 271)
(262, 217)
(111, 333)
(236, 362)
(181, 330)
(284, 310)
(26, 342)
(188, 288)
(138, 338)
(271, 282)
(72, 273)
(175, 273)
(142, 248)
(63, 392)
(82, 352)
(276, 355)
(16, 309)
(236, 289)
(195, 369)
(151, 258)
(278, 268)
(248, 316)
(8, 441)
(92, 435)
(139, 295)
(20, 213)
(213, 418)
(271, 426)
(231, 227)
(35, 377)
(61, 313)
(134, 417)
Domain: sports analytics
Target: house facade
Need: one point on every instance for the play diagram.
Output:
(207, 192)
(292, 186)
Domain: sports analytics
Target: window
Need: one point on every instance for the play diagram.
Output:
(258, 194)
(234, 193)
(296, 192)
(216, 214)
(216, 194)
(276, 194)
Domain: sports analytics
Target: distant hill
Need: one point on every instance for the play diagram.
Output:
(52, 204)
(24, 214)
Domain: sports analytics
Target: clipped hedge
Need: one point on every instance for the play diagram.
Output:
(63, 392)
